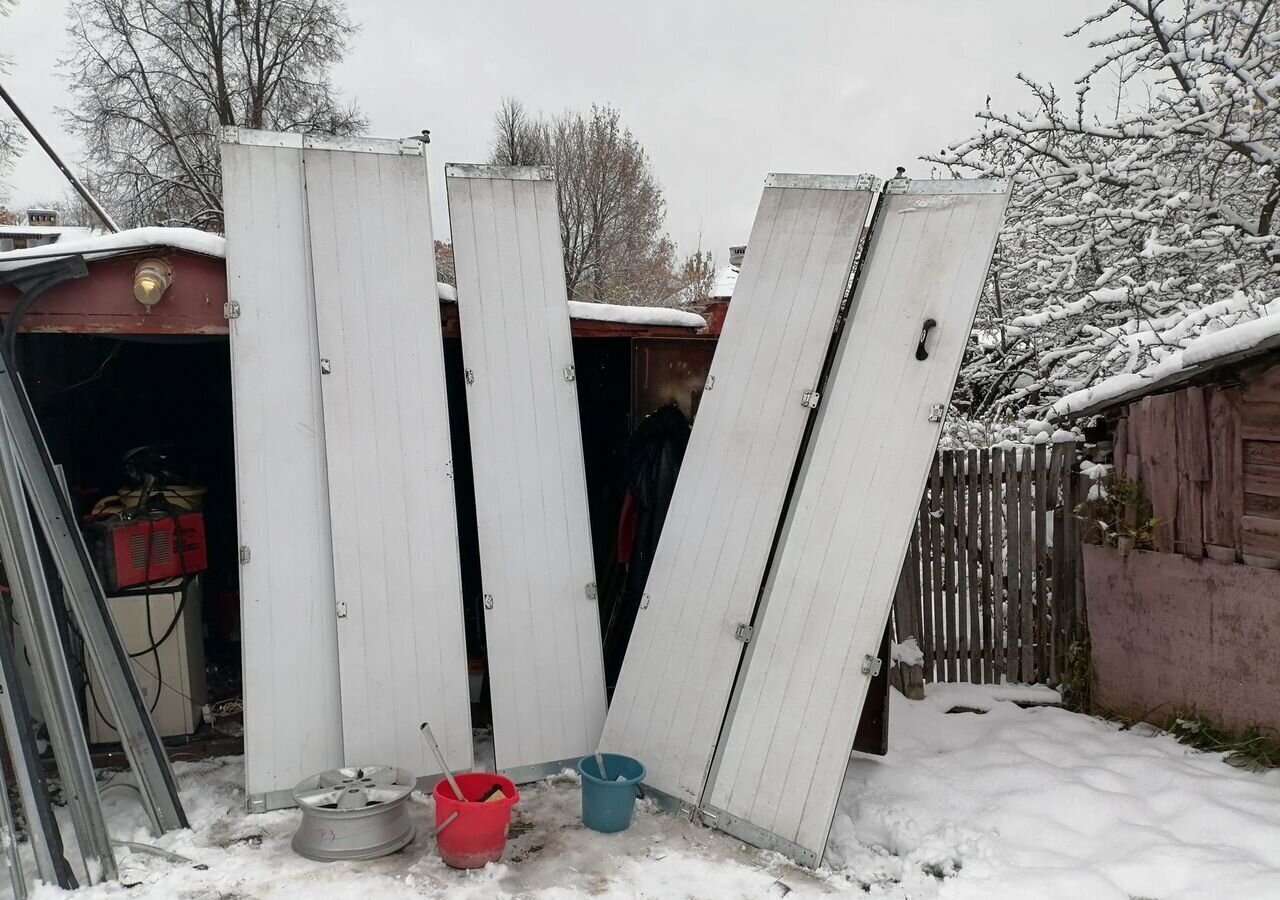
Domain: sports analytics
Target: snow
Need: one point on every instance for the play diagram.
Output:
(634, 315)
(725, 281)
(907, 652)
(1200, 352)
(102, 246)
(1008, 802)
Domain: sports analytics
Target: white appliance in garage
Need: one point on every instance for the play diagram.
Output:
(171, 677)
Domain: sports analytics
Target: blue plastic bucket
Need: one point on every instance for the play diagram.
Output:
(607, 804)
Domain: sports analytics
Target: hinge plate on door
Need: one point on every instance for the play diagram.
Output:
(936, 412)
(231, 310)
(711, 382)
(342, 609)
(488, 601)
(871, 665)
(810, 399)
(326, 367)
(644, 601)
(592, 593)
(569, 373)
(743, 632)
(244, 554)
(470, 376)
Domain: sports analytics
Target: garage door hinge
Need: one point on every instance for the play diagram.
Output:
(470, 376)
(743, 632)
(592, 593)
(711, 382)
(342, 609)
(810, 399)
(326, 367)
(871, 665)
(231, 310)
(644, 601)
(244, 554)
(569, 373)
(936, 412)
(488, 601)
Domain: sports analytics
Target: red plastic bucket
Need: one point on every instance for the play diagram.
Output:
(479, 834)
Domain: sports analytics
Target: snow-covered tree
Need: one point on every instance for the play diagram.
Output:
(154, 80)
(1145, 202)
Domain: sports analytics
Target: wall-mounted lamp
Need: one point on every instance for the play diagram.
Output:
(151, 279)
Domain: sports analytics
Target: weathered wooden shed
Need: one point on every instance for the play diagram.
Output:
(1192, 626)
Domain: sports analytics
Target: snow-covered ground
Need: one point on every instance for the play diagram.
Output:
(1035, 804)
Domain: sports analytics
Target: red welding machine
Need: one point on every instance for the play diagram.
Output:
(131, 552)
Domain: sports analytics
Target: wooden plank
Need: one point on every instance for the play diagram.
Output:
(1262, 506)
(1162, 479)
(924, 541)
(997, 538)
(1260, 421)
(1193, 434)
(1222, 516)
(1261, 536)
(1028, 561)
(1120, 446)
(1013, 547)
(708, 569)
(962, 565)
(1263, 386)
(985, 561)
(1262, 480)
(937, 556)
(973, 564)
(1041, 628)
(949, 554)
(1062, 454)
(1262, 453)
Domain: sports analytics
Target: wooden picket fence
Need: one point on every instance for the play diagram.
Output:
(992, 587)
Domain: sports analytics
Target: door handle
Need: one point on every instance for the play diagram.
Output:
(921, 352)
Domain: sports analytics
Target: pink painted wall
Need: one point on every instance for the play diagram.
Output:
(1175, 634)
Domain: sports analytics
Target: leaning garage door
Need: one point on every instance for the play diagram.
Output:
(679, 669)
(791, 726)
(401, 648)
(542, 624)
(289, 643)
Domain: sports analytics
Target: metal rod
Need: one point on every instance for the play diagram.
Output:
(57, 161)
(88, 604)
(430, 738)
(53, 675)
(11, 859)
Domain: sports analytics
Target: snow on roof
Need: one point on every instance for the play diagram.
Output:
(635, 315)
(726, 279)
(1201, 354)
(102, 246)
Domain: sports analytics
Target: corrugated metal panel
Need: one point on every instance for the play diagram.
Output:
(401, 646)
(541, 620)
(710, 562)
(289, 645)
(790, 731)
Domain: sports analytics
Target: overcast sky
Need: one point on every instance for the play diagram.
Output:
(719, 93)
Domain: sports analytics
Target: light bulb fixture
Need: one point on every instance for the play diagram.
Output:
(151, 279)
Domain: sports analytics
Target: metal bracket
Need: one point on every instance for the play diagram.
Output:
(488, 601)
(245, 554)
(326, 367)
(470, 376)
(644, 601)
(810, 399)
(936, 412)
(592, 593)
(871, 665)
(231, 310)
(448, 469)
(711, 382)
(342, 609)
(569, 373)
(743, 632)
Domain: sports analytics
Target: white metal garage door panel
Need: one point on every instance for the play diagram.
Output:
(791, 727)
(541, 620)
(401, 644)
(288, 634)
(710, 561)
